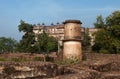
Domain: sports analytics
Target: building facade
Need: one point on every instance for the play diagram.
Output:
(57, 31)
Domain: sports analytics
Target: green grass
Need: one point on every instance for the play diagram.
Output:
(18, 59)
(2, 59)
(38, 59)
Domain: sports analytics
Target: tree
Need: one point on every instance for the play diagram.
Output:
(25, 27)
(113, 19)
(28, 39)
(32, 43)
(41, 42)
(100, 22)
(52, 44)
(45, 43)
(108, 40)
(7, 44)
(102, 41)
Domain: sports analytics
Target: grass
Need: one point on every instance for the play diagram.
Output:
(38, 59)
(18, 59)
(2, 59)
(68, 62)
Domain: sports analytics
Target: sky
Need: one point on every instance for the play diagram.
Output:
(48, 11)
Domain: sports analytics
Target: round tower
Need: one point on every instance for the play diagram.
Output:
(72, 40)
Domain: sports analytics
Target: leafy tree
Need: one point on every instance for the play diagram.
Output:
(41, 42)
(27, 43)
(45, 43)
(108, 40)
(113, 19)
(52, 44)
(100, 22)
(28, 39)
(25, 27)
(35, 43)
(102, 41)
(7, 44)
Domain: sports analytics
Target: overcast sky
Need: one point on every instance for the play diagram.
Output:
(47, 11)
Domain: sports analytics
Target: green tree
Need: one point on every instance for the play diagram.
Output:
(102, 41)
(108, 40)
(52, 44)
(25, 27)
(7, 44)
(45, 43)
(100, 22)
(113, 19)
(26, 44)
(41, 42)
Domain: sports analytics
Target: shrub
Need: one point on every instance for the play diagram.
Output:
(69, 61)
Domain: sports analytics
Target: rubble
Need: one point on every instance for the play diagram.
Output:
(96, 66)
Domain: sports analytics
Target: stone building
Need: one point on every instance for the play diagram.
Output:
(57, 31)
(91, 31)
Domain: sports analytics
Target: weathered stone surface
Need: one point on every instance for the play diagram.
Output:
(106, 66)
(96, 66)
(72, 40)
(24, 70)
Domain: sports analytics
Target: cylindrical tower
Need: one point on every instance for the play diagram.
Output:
(72, 40)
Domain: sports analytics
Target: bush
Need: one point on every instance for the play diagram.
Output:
(69, 61)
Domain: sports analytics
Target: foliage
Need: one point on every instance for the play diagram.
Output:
(28, 39)
(102, 40)
(86, 41)
(52, 44)
(35, 43)
(22, 59)
(69, 61)
(2, 59)
(41, 42)
(38, 59)
(108, 40)
(100, 22)
(113, 19)
(25, 27)
(26, 44)
(45, 43)
(7, 44)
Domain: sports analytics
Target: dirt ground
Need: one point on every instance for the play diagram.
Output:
(94, 66)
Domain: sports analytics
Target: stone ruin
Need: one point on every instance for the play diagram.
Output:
(72, 40)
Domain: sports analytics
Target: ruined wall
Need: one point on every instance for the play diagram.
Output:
(29, 70)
